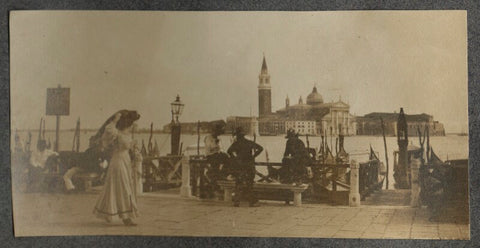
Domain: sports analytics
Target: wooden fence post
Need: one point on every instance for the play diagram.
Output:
(185, 189)
(415, 189)
(354, 195)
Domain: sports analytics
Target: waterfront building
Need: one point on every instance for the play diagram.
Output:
(275, 126)
(194, 127)
(370, 124)
(247, 123)
(314, 117)
(302, 127)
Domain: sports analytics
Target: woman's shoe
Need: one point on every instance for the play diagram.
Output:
(129, 222)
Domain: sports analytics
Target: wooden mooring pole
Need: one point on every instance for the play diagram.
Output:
(198, 138)
(386, 151)
(57, 134)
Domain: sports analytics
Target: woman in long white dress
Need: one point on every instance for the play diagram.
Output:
(118, 198)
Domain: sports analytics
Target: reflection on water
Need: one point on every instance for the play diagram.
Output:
(446, 147)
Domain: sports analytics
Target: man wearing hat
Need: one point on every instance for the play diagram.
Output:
(243, 152)
(295, 158)
(216, 158)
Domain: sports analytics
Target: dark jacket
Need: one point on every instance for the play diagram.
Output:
(244, 150)
(296, 149)
(89, 160)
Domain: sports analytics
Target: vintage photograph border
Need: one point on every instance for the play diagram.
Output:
(7, 238)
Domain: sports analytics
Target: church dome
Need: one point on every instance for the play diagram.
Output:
(314, 97)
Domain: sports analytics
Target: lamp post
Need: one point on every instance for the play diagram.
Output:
(177, 108)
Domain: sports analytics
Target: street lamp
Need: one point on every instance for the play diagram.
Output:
(177, 108)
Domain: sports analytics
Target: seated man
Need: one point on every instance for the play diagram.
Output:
(217, 159)
(37, 167)
(295, 159)
(90, 161)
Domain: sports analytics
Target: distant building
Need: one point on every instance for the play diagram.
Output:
(249, 124)
(302, 127)
(313, 117)
(193, 127)
(271, 125)
(370, 124)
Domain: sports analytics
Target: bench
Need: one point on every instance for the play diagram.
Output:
(229, 186)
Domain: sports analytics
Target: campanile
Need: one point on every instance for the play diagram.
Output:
(264, 91)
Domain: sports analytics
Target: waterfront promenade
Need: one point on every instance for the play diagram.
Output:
(168, 214)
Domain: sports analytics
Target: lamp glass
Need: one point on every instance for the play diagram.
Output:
(177, 107)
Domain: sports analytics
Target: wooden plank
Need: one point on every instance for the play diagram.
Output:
(339, 188)
(174, 169)
(272, 186)
(340, 183)
(269, 191)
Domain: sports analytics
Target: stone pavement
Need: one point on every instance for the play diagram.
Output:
(170, 215)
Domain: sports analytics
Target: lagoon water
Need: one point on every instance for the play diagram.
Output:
(446, 147)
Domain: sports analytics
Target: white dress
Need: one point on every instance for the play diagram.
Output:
(118, 198)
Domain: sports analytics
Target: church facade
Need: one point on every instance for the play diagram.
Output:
(314, 117)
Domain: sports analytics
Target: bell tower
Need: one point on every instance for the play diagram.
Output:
(264, 91)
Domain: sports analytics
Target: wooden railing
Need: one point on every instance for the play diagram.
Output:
(198, 165)
(161, 171)
(330, 172)
(448, 180)
(369, 178)
(335, 176)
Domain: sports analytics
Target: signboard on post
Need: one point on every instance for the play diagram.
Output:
(58, 101)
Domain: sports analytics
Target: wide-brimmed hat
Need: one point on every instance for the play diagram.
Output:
(290, 133)
(127, 119)
(239, 131)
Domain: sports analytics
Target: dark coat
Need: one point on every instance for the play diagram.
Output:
(244, 150)
(295, 148)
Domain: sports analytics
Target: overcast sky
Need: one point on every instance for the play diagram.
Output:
(377, 61)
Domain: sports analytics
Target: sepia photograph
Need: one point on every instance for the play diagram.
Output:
(325, 124)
